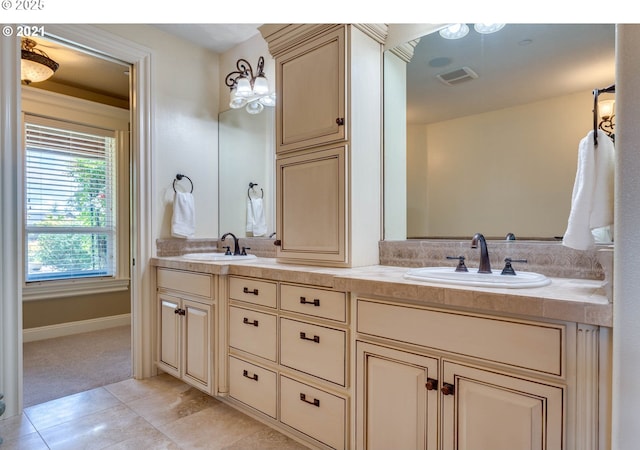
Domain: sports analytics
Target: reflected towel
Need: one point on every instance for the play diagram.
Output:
(592, 198)
(183, 222)
(256, 222)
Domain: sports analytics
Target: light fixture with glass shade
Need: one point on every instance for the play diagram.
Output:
(455, 31)
(604, 113)
(488, 28)
(247, 90)
(35, 65)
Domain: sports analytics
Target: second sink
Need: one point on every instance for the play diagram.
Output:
(473, 278)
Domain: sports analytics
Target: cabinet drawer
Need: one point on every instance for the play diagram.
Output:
(253, 385)
(316, 350)
(253, 332)
(187, 282)
(314, 302)
(529, 345)
(253, 291)
(313, 412)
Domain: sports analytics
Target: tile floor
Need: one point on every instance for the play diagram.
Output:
(156, 413)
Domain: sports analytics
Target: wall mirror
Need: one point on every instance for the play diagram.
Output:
(493, 127)
(246, 155)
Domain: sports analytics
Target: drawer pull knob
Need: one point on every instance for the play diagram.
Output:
(180, 312)
(448, 389)
(247, 291)
(248, 322)
(303, 335)
(304, 301)
(431, 384)
(315, 401)
(253, 377)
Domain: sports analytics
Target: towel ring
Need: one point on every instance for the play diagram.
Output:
(251, 185)
(178, 178)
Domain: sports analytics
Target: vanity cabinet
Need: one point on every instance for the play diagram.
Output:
(185, 321)
(288, 352)
(424, 379)
(328, 124)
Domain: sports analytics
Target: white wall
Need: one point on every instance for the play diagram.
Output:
(184, 89)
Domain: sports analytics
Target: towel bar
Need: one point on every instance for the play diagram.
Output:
(251, 185)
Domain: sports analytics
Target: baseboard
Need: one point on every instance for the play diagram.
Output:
(81, 326)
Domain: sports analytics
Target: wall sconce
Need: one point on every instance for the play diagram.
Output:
(247, 90)
(35, 65)
(604, 111)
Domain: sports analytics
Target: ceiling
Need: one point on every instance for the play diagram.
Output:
(556, 59)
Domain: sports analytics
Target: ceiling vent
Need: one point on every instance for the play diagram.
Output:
(457, 76)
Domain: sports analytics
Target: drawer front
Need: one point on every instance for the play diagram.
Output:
(314, 302)
(316, 350)
(253, 385)
(529, 345)
(314, 412)
(253, 332)
(188, 282)
(253, 291)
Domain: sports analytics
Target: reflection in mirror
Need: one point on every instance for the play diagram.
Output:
(246, 155)
(496, 151)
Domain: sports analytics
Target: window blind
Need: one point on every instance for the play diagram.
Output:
(69, 204)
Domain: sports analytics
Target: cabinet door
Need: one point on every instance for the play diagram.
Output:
(169, 334)
(197, 342)
(397, 399)
(492, 411)
(311, 206)
(311, 93)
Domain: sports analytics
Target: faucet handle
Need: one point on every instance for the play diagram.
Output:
(244, 250)
(461, 266)
(228, 252)
(508, 269)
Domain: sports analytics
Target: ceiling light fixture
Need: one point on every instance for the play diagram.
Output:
(488, 28)
(35, 65)
(455, 31)
(247, 90)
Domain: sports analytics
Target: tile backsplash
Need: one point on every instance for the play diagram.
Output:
(549, 258)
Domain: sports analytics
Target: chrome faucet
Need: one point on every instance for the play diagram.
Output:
(236, 245)
(485, 263)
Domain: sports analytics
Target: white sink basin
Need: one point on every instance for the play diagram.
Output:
(473, 278)
(216, 257)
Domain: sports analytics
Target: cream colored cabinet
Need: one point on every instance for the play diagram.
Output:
(487, 410)
(397, 399)
(288, 352)
(311, 93)
(185, 327)
(329, 146)
(430, 357)
(310, 203)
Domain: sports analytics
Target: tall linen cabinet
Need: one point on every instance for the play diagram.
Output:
(329, 142)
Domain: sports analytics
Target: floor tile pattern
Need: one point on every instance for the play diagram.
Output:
(159, 413)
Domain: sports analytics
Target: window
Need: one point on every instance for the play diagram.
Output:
(70, 223)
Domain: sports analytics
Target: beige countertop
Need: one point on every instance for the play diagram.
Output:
(575, 300)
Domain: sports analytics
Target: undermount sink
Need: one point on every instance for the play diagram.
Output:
(473, 278)
(216, 257)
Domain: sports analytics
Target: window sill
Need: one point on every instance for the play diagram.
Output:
(45, 290)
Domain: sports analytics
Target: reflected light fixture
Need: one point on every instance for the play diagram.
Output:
(455, 31)
(607, 116)
(488, 28)
(247, 90)
(35, 65)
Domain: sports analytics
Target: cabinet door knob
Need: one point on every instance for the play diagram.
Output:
(247, 291)
(277, 242)
(248, 322)
(448, 389)
(315, 401)
(340, 120)
(431, 384)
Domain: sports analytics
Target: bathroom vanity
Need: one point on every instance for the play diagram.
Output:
(364, 357)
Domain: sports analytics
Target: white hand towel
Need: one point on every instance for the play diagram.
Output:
(250, 218)
(183, 221)
(259, 225)
(592, 198)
